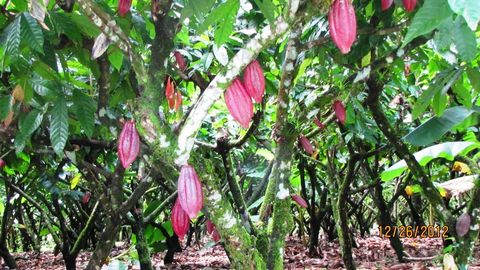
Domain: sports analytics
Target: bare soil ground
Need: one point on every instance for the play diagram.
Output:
(372, 253)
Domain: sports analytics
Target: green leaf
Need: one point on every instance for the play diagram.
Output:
(199, 8)
(75, 180)
(45, 71)
(116, 58)
(268, 9)
(5, 107)
(32, 33)
(474, 77)
(31, 122)
(434, 128)
(12, 37)
(301, 70)
(464, 39)
(85, 109)
(462, 93)
(469, 9)
(218, 15)
(59, 125)
(448, 150)
(429, 16)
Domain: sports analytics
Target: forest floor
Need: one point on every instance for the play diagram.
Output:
(372, 253)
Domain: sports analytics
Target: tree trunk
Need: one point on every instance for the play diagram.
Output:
(141, 245)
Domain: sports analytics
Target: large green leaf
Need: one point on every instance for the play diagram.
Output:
(464, 39)
(448, 150)
(429, 16)
(268, 9)
(11, 38)
(469, 9)
(474, 78)
(85, 110)
(31, 122)
(59, 125)
(32, 33)
(5, 105)
(435, 127)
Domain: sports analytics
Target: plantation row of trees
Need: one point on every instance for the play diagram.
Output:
(341, 115)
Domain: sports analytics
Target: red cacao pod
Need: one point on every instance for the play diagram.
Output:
(190, 194)
(180, 220)
(342, 24)
(182, 64)
(178, 100)
(239, 103)
(386, 4)
(124, 6)
(216, 235)
(210, 226)
(463, 224)
(170, 93)
(318, 123)
(254, 81)
(2, 163)
(86, 197)
(307, 146)
(128, 144)
(409, 5)
(299, 200)
(340, 111)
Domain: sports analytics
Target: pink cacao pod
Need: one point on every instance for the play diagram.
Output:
(2, 163)
(216, 235)
(190, 194)
(307, 146)
(239, 103)
(182, 64)
(409, 5)
(386, 4)
(318, 123)
(463, 224)
(340, 111)
(342, 24)
(210, 226)
(124, 6)
(86, 197)
(299, 200)
(180, 220)
(128, 144)
(254, 81)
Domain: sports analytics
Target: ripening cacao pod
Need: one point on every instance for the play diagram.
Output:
(254, 81)
(299, 200)
(2, 163)
(178, 100)
(190, 194)
(340, 111)
(216, 235)
(124, 6)
(409, 5)
(128, 144)
(386, 4)
(86, 197)
(307, 146)
(318, 123)
(170, 93)
(182, 64)
(342, 24)
(239, 103)
(409, 190)
(18, 93)
(463, 224)
(180, 220)
(210, 226)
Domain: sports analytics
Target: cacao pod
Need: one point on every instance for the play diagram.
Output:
(386, 4)
(210, 226)
(254, 81)
(409, 190)
(178, 100)
(463, 224)
(318, 123)
(170, 93)
(2, 163)
(180, 220)
(216, 235)
(18, 93)
(128, 144)
(409, 5)
(239, 103)
(182, 64)
(340, 111)
(342, 24)
(86, 197)
(124, 6)
(299, 200)
(307, 146)
(190, 194)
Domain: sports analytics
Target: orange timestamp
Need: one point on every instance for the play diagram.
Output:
(429, 231)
